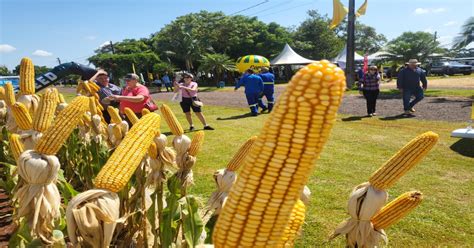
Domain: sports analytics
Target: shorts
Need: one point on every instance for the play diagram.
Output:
(187, 104)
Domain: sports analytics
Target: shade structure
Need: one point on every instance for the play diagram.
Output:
(289, 57)
(340, 59)
(251, 62)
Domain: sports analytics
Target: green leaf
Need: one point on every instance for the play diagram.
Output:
(171, 214)
(192, 222)
(211, 223)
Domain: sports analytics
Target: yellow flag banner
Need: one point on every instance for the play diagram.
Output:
(362, 9)
(339, 13)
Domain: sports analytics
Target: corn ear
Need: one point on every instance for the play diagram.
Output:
(16, 145)
(22, 116)
(396, 209)
(27, 77)
(241, 154)
(114, 115)
(294, 225)
(61, 98)
(260, 203)
(132, 117)
(171, 120)
(9, 94)
(2, 93)
(196, 143)
(92, 106)
(405, 159)
(145, 111)
(122, 164)
(63, 126)
(45, 114)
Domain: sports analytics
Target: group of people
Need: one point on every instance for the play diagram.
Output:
(408, 82)
(258, 86)
(136, 96)
(163, 81)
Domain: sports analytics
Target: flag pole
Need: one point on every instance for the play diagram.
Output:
(350, 67)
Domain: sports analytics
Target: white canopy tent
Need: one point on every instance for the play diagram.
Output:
(341, 58)
(289, 57)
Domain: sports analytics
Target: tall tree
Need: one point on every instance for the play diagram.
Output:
(467, 34)
(367, 40)
(4, 71)
(314, 39)
(410, 45)
(38, 70)
(217, 64)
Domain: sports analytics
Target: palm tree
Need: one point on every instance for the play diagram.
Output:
(217, 64)
(467, 34)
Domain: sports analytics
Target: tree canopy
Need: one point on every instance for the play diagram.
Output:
(411, 45)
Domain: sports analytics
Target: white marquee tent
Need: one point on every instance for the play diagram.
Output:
(341, 58)
(289, 57)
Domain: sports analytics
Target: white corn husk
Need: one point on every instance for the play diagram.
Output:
(61, 107)
(11, 125)
(38, 198)
(184, 161)
(166, 158)
(99, 131)
(305, 195)
(92, 216)
(29, 138)
(31, 102)
(3, 113)
(181, 144)
(364, 202)
(224, 179)
(115, 141)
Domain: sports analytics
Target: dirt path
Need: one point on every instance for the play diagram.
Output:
(431, 108)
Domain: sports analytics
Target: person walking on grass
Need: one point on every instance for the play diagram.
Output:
(268, 90)
(253, 89)
(408, 83)
(369, 87)
(189, 89)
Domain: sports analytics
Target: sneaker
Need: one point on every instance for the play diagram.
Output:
(412, 110)
(254, 114)
(374, 114)
(407, 112)
(191, 128)
(263, 110)
(208, 128)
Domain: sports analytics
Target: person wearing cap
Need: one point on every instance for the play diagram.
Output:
(135, 96)
(253, 89)
(408, 83)
(268, 90)
(107, 89)
(369, 86)
(189, 89)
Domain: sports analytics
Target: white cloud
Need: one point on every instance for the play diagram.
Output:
(42, 53)
(421, 11)
(429, 30)
(450, 23)
(106, 43)
(5, 48)
(90, 37)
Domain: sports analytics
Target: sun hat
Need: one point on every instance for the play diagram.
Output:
(131, 76)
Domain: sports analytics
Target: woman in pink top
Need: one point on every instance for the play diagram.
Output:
(189, 90)
(135, 95)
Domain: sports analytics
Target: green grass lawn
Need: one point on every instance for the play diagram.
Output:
(354, 151)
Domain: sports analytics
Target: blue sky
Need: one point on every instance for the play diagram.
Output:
(72, 29)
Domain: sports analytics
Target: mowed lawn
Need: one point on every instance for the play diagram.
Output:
(356, 149)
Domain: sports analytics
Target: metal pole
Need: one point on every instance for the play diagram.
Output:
(350, 67)
(112, 46)
(59, 61)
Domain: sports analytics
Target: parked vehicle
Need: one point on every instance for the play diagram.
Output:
(12, 79)
(450, 68)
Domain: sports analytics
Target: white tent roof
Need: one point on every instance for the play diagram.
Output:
(341, 57)
(379, 55)
(289, 57)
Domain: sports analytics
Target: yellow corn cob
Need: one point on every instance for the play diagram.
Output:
(145, 111)
(94, 87)
(117, 131)
(27, 77)
(294, 225)
(132, 117)
(61, 99)
(63, 126)
(9, 94)
(100, 108)
(243, 152)
(396, 209)
(15, 145)
(92, 106)
(153, 151)
(80, 87)
(22, 116)
(196, 143)
(2, 93)
(86, 118)
(45, 113)
(86, 88)
(260, 203)
(472, 111)
(405, 159)
(122, 164)
(114, 115)
(171, 120)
